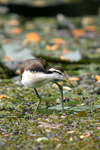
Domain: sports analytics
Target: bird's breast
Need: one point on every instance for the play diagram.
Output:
(33, 79)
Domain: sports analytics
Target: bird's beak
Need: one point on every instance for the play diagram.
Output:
(68, 81)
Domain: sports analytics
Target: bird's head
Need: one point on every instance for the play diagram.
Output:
(61, 72)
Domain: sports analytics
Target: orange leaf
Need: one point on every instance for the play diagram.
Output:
(13, 22)
(90, 28)
(32, 37)
(59, 40)
(1, 96)
(7, 58)
(65, 51)
(6, 135)
(63, 58)
(51, 48)
(74, 79)
(77, 33)
(87, 21)
(16, 30)
(84, 136)
(97, 78)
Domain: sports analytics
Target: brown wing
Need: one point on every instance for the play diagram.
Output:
(37, 64)
(44, 63)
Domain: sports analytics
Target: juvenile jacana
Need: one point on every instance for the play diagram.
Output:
(37, 72)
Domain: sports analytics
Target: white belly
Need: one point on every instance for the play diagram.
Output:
(38, 79)
(33, 79)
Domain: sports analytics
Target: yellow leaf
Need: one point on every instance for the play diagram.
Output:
(74, 79)
(1, 96)
(71, 132)
(59, 40)
(84, 136)
(32, 37)
(51, 48)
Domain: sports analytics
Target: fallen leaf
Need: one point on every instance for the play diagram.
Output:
(82, 104)
(85, 74)
(6, 135)
(55, 85)
(71, 138)
(66, 88)
(50, 125)
(29, 26)
(55, 139)
(97, 123)
(51, 48)
(7, 58)
(63, 117)
(13, 22)
(42, 139)
(87, 21)
(16, 30)
(31, 36)
(82, 113)
(78, 33)
(90, 28)
(65, 51)
(1, 96)
(84, 136)
(47, 130)
(25, 87)
(98, 128)
(63, 58)
(97, 78)
(74, 79)
(59, 40)
(71, 132)
(58, 146)
(54, 116)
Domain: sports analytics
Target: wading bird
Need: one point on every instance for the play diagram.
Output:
(37, 72)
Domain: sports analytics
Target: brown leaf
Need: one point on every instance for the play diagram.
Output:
(55, 139)
(50, 125)
(71, 132)
(6, 135)
(90, 28)
(47, 130)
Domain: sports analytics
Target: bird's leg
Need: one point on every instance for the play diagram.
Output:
(39, 99)
(61, 90)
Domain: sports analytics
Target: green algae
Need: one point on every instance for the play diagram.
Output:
(19, 123)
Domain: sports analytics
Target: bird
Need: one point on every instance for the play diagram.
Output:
(37, 72)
